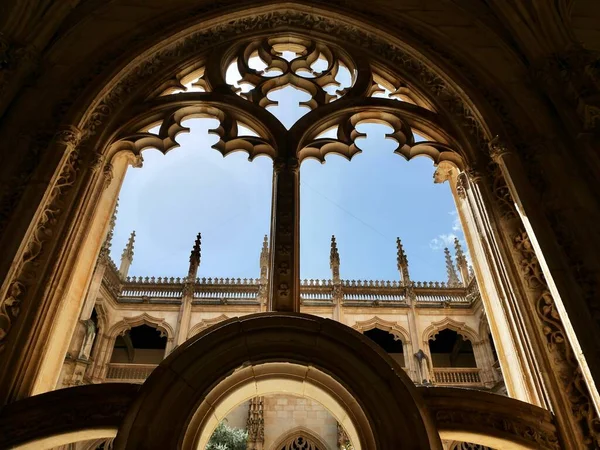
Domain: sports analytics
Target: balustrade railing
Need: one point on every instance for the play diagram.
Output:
(457, 376)
(135, 373)
(450, 376)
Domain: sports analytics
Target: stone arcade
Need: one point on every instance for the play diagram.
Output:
(506, 94)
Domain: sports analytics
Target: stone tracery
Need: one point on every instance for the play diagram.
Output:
(19, 287)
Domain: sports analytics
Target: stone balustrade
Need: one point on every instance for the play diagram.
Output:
(371, 292)
(450, 376)
(457, 376)
(132, 373)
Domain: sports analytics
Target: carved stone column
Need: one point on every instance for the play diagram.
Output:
(285, 237)
(534, 309)
(573, 279)
(497, 295)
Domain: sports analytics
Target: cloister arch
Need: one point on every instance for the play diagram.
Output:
(204, 324)
(183, 390)
(393, 328)
(461, 328)
(144, 319)
(82, 182)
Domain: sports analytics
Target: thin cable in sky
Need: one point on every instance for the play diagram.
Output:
(345, 210)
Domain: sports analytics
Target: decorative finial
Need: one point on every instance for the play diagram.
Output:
(127, 256)
(334, 260)
(105, 250)
(402, 261)
(195, 258)
(452, 277)
(401, 256)
(264, 260)
(264, 253)
(128, 250)
(461, 262)
(334, 255)
(196, 253)
(460, 256)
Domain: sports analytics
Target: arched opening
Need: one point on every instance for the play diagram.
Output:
(450, 349)
(522, 306)
(389, 343)
(139, 345)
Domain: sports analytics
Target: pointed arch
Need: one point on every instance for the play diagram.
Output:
(284, 439)
(205, 323)
(144, 319)
(447, 323)
(394, 328)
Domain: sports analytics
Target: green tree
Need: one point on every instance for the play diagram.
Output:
(227, 438)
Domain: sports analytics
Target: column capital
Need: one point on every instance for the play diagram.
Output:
(497, 149)
(69, 135)
(281, 163)
(473, 175)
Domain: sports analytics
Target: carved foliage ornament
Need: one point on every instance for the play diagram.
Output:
(564, 359)
(24, 272)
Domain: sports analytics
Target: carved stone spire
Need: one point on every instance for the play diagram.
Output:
(264, 260)
(195, 258)
(402, 263)
(127, 256)
(452, 277)
(461, 262)
(105, 249)
(334, 260)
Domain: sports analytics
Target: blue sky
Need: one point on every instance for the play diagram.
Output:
(366, 203)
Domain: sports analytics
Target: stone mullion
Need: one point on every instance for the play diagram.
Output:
(285, 237)
(566, 390)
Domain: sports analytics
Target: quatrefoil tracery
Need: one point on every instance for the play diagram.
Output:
(313, 67)
(298, 71)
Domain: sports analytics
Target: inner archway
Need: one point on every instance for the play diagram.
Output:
(294, 339)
